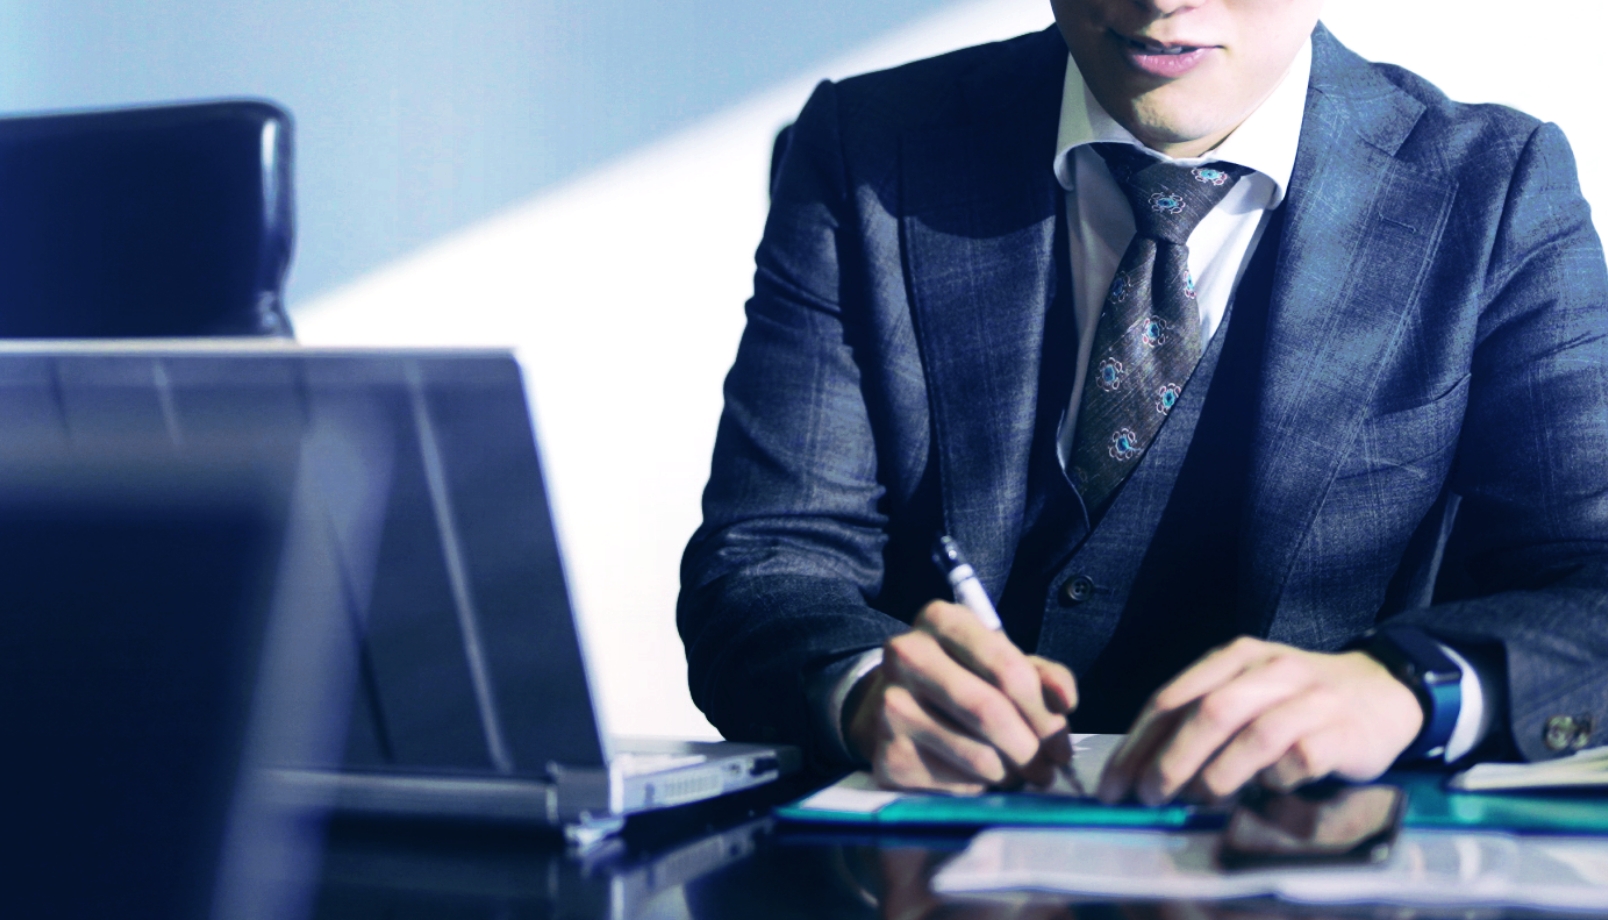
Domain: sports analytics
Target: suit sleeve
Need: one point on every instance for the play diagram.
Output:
(1530, 542)
(775, 583)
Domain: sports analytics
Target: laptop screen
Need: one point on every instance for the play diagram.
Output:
(468, 660)
(471, 661)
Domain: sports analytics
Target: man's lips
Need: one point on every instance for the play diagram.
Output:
(1161, 59)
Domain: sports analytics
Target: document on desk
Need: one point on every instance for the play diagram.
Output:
(859, 792)
(1069, 802)
(1586, 769)
(1448, 868)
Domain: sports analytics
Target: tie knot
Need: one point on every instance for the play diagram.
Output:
(1168, 200)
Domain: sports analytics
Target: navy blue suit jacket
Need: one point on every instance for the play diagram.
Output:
(1436, 363)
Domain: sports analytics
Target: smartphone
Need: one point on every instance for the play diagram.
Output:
(1325, 823)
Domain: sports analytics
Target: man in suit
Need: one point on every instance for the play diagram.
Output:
(975, 313)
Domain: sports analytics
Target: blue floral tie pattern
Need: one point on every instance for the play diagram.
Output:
(1147, 342)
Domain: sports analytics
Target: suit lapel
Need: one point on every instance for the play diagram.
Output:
(978, 206)
(1360, 229)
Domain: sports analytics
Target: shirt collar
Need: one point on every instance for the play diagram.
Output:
(1266, 141)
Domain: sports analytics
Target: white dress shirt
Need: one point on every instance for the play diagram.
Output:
(1100, 222)
(1100, 225)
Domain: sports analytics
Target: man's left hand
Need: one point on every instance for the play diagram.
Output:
(1260, 710)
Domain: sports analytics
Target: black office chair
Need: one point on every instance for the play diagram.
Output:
(162, 221)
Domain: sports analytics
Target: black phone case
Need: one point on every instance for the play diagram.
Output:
(1373, 847)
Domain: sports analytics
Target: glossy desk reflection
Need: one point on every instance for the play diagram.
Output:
(711, 865)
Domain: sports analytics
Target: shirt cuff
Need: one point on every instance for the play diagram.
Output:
(1473, 715)
(829, 692)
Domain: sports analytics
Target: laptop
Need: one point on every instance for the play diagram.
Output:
(465, 691)
(143, 584)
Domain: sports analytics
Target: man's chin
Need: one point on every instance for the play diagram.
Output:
(1176, 132)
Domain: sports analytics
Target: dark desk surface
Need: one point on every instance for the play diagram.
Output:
(712, 863)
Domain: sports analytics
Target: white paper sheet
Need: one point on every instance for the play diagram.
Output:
(1426, 867)
(1587, 768)
(858, 793)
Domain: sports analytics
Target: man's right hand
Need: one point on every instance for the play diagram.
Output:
(955, 706)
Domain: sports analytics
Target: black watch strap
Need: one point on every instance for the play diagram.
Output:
(1418, 661)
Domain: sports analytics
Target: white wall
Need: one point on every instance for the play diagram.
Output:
(623, 292)
(415, 118)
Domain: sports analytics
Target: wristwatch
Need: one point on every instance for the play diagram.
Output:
(1418, 661)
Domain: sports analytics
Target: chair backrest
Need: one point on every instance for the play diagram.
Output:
(161, 221)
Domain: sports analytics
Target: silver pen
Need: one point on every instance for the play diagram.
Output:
(963, 581)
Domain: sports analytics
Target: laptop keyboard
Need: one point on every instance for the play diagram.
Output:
(640, 764)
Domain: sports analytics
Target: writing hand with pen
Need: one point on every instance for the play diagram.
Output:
(956, 707)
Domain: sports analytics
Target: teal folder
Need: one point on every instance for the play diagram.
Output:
(858, 798)
(998, 809)
(1008, 809)
(1430, 805)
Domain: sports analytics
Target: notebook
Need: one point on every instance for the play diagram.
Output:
(1583, 770)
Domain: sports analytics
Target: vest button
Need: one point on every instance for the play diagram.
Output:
(1077, 589)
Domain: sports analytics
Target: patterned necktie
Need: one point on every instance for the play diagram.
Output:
(1147, 342)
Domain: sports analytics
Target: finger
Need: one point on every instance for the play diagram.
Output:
(1022, 677)
(1267, 739)
(1122, 770)
(923, 751)
(1310, 757)
(1216, 717)
(993, 657)
(901, 764)
(1060, 696)
(1053, 758)
(1213, 670)
(1060, 688)
(917, 662)
(1057, 749)
(1160, 716)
